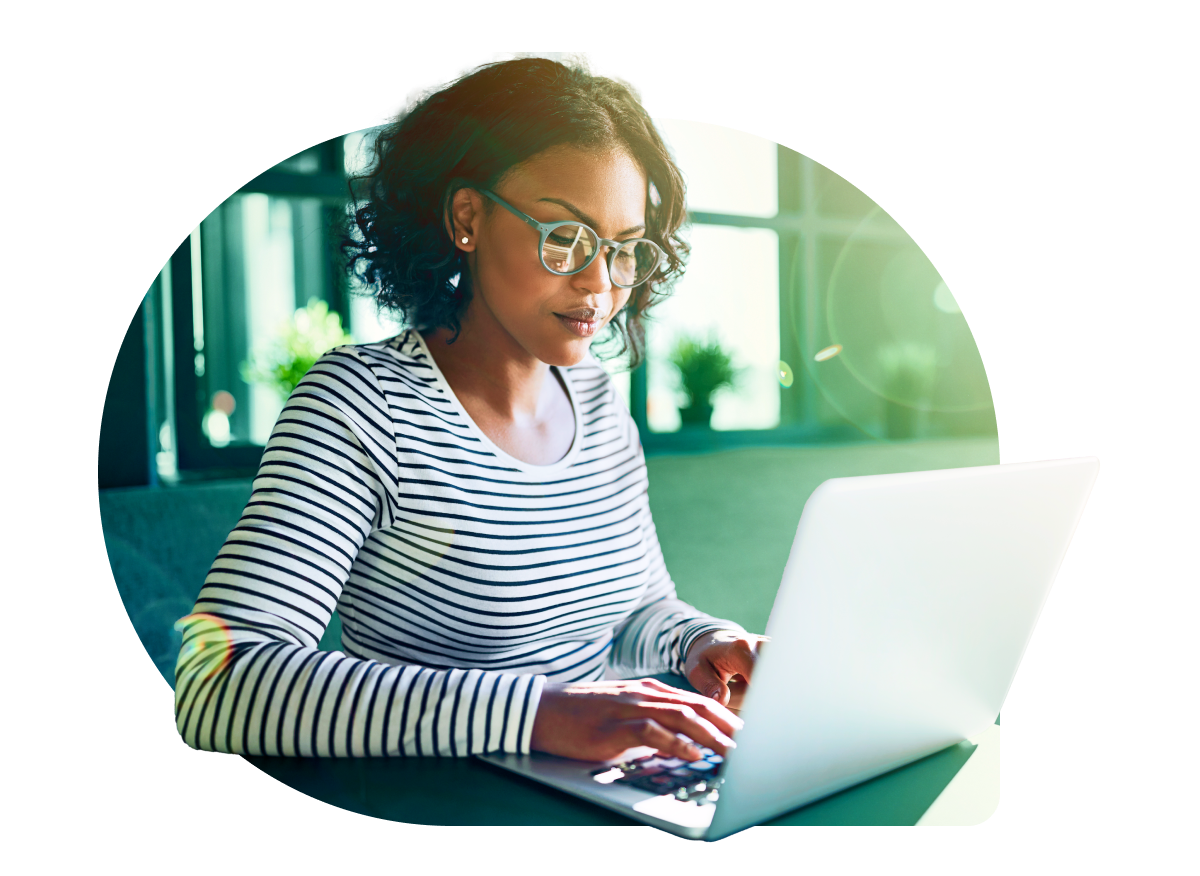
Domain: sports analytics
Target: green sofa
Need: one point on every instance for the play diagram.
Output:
(725, 521)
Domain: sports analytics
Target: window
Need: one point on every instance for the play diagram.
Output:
(229, 295)
(839, 327)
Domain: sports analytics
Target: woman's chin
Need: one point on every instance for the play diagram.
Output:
(576, 354)
(564, 354)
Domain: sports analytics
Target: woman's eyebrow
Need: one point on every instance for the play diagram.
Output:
(586, 219)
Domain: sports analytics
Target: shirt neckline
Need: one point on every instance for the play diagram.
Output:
(444, 386)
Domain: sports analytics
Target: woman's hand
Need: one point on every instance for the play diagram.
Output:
(719, 665)
(599, 720)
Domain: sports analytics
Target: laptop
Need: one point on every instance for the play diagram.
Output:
(906, 604)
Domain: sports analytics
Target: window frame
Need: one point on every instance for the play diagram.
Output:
(195, 457)
(797, 223)
(799, 226)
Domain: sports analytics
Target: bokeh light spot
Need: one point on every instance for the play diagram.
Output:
(827, 353)
(215, 427)
(224, 402)
(786, 377)
(943, 300)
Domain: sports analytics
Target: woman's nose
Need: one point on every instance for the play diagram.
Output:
(594, 278)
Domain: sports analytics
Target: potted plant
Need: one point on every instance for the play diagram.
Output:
(703, 369)
(909, 376)
(311, 332)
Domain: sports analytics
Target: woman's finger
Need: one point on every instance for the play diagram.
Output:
(716, 713)
(738, 659)
(659, 685)
(647, 731)
(713, 710)
(684, 719)
(740, 663)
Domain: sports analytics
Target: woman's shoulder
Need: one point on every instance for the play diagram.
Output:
(398, 357)
(385, 369)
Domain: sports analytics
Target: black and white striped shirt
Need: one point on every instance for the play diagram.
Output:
(465, 579)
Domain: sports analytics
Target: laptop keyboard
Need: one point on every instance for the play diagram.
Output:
(697, 781)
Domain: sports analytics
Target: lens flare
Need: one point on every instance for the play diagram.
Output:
(827, 353)
(881, 295)
(786, 377)
(206, 638)
(944, 301)
(419, 550)
(437, 543)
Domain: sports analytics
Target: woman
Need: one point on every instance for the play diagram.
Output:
(471, 495)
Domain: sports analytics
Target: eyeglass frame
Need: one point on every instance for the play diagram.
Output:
(545, 229)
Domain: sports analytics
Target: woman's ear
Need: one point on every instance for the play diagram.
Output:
(466, 218)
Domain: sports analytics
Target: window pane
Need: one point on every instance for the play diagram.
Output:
(357, 150)
(308, 161)
(368, 323)
(885, 342)
(726, 171)
(618, 369)
(270, 293)
(263, 257)
(731, 292)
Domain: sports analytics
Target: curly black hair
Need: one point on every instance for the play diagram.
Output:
(469, 134)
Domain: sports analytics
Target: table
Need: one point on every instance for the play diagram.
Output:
(958, 785)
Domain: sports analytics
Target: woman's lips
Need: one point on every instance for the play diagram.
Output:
(585, 328)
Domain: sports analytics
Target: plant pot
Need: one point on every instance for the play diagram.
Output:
(696, 414)
(902, 422)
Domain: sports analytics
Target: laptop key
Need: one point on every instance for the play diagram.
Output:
(701, 793)
(634, 777)
(660, 784)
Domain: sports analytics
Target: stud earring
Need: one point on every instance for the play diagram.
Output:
(464, 240)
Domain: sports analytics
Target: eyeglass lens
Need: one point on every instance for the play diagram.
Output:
(569, 247)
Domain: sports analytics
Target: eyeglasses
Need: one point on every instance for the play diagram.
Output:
(569, 247)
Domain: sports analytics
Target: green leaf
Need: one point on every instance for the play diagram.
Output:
(312, 331)
(703, 366)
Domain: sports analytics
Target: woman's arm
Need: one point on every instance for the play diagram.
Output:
(250, 679)
(659, 633)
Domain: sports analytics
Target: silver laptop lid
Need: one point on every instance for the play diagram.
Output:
(906, 604)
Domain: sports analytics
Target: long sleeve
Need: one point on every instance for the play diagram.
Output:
(250, 678)
(657, 635)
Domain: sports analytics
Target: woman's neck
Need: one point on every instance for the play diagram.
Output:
(501, 375)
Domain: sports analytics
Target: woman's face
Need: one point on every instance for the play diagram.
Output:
(552, 318)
